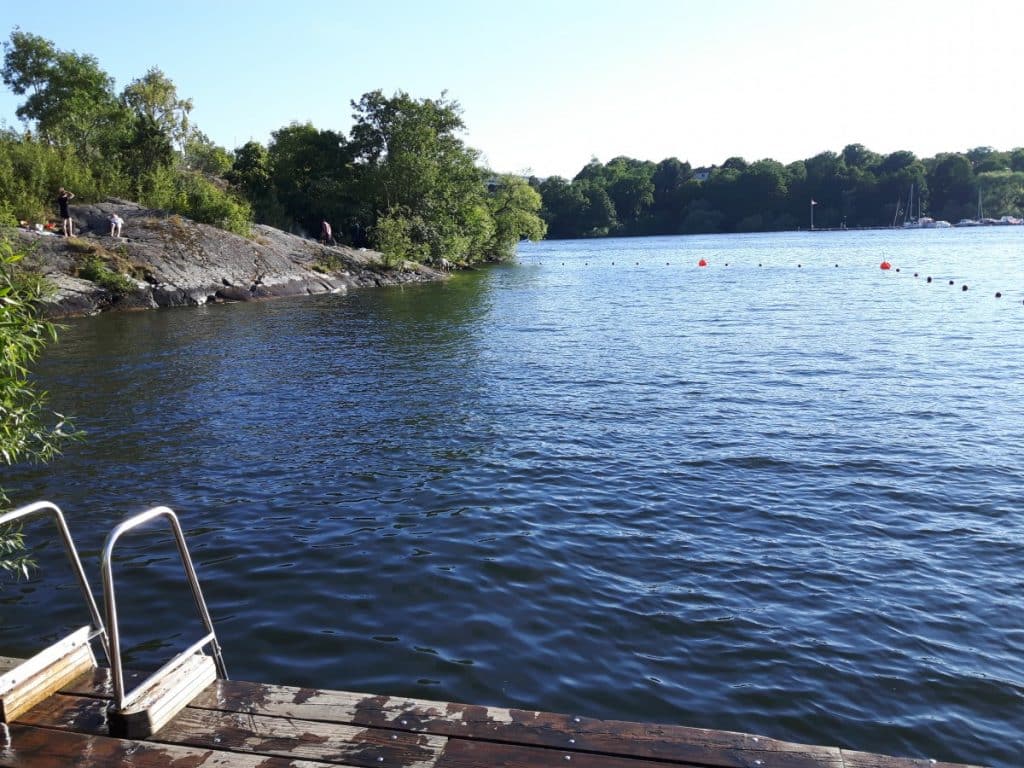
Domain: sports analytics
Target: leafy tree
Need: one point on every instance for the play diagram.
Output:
(27, 431)
(669, 178)
(201, 154)
(735, 164)
(70, 100)
(412, 166)
(154, 97)
(563, 206)
(145, 152)
(860, 157)
(952, 186)
(513, 206)
(760, 192)
(1002, 192)
(598, 214)
(310, 171)
(631, 190)
(250, 174)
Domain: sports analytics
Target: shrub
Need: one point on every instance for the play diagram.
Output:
(95, 269)
(27, 431)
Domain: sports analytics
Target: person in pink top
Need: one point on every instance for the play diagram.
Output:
(326, 236)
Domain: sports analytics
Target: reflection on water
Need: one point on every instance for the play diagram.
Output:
(778, 496)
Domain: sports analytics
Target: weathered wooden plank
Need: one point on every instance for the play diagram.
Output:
(23, 746)
(24, 685)
(866, 760)
(514, 726)
(463, 753)
(681, 744)
(721, 749)
(255, 734)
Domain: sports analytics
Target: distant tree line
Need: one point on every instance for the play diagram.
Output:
(402, 181)
(854, 188)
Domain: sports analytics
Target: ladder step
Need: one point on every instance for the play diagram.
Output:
(41, 676)
(162, 697)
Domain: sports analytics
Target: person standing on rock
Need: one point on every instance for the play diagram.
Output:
(326, 236)
(63, 198)
(115, 225)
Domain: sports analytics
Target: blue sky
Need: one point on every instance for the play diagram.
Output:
(546, 85)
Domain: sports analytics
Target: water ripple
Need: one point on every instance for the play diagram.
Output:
(772, 498)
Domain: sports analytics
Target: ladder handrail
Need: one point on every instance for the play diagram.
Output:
(110, 602)
(76, 564)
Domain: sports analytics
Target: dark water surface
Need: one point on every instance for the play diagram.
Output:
(785, 499)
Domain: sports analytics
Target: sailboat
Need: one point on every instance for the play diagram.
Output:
(909, 222)
(921, 222)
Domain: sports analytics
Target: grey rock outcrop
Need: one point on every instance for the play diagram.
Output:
(165, 260)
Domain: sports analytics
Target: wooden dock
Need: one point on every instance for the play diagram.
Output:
(235, 724)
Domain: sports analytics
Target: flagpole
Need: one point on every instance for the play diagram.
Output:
(812, 215)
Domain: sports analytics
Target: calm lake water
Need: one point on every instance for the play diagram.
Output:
(783, 494)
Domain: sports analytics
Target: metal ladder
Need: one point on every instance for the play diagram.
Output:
(39, 677)
(147, 708)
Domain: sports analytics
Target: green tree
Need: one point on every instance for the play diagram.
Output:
(562, 206)
(27, 431)
(859, 156)
(250, 175)
(413, 168)
(953, 187)
(514, 208)
(201, 154)
(631, 189)
(155, 97)
(735, 164)
(670, 179)
(1002, 193)
(145, 152)
(310, 172)
(70, 100)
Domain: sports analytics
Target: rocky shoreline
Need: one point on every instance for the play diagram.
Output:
(165, 260)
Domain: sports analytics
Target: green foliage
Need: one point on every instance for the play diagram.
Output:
(69, 98)
(201, 154)
(1002, 193)
(403, 179)
(400, 237)
(200, 199)
(27, 431)
(154, 98)
(94, 267)
(411, 161)
(310, 175)
(250, 175)
(513, 207)
(85, 138)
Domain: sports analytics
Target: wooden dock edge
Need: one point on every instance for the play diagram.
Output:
(314, 727)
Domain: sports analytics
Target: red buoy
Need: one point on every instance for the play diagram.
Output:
(702, 263)
(886, 265)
